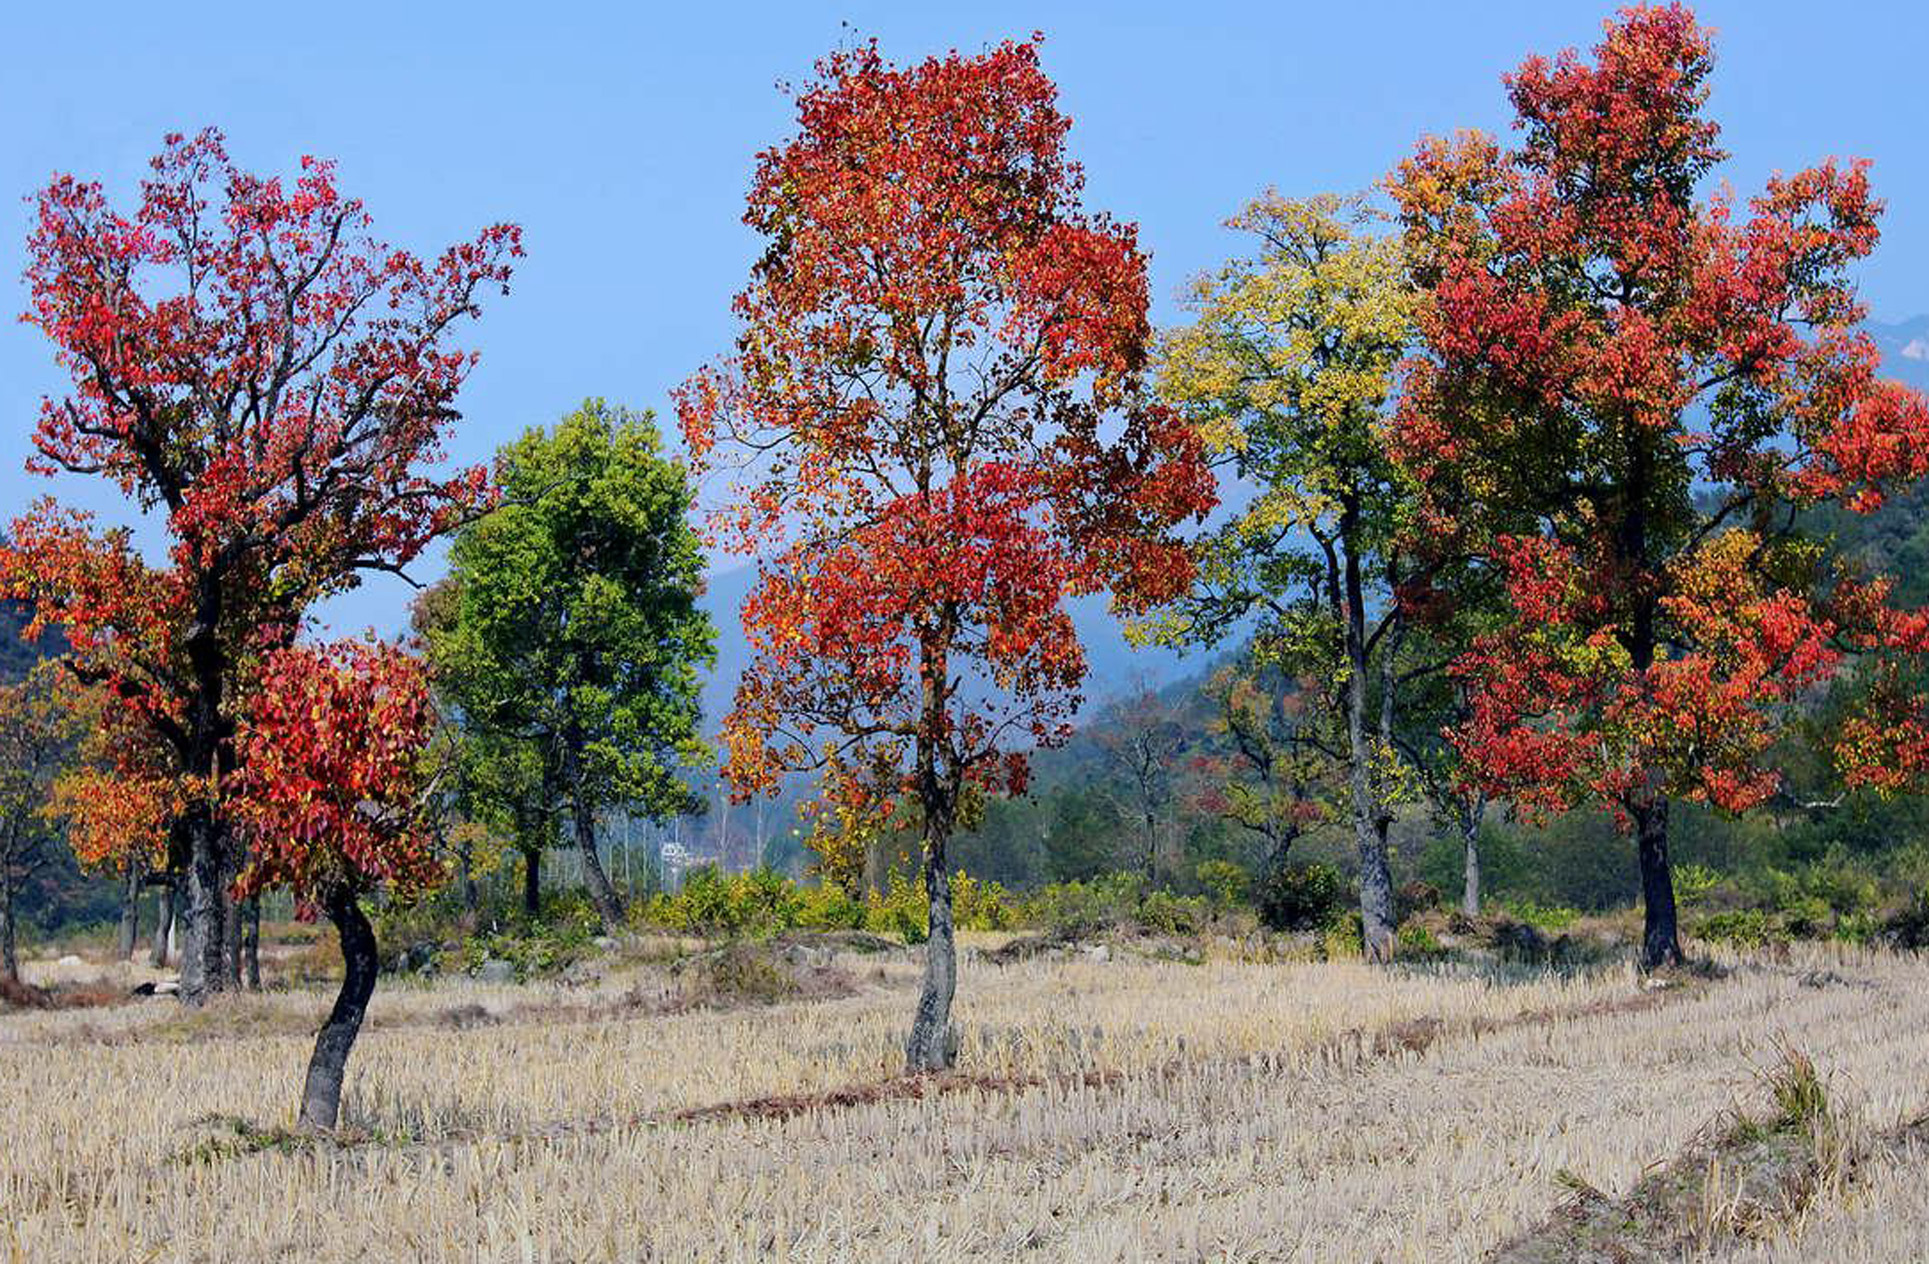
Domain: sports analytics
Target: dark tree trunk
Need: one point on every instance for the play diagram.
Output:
(206, 966)
(609, 905)
(131, 908)
(207, 950)
(9, 950)
(1151, 851)
(532, 880)
(931, 1046)
(251, 943)
(163, 925)
(321, 1094)
(1660, 936)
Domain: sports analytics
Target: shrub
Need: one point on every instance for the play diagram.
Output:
(1807, 917)
(1302, 896)
(828, 907)
(1857, 928)
(1077, 908)
(1344, 937)
(1225, 882)
(1908, 927)
(977, 905)
(561, 937)
(703, 904)
(1173, 914)
(1740, 928)
(900, 909)
(1415, 940)
(1548, 917)
(1693, 883)
(765, 902)
(739, 973)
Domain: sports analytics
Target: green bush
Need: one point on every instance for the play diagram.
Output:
(765, 902)
(1174, 914)
(1078, 908)
(1225, 882)
(1344, 937)
(1693, 883)
(1545, 917)
(1302, 896)
(1857, 928)
(1740, 928)
(900, 909)
(979, 905)
(562, 935)
(828, 907)
(1415, 940)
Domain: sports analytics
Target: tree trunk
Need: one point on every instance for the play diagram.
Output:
(1369, 821)
(609, 905)
(1376, 879)
(321, 1094)
(130, 908)
(1151, 852)
(1470, 841)
(163, 926)
(532, 880)
(251, 943)
(1660, 937)
(931, 1046)
(234, 914)
(205, 964)
(9, 950)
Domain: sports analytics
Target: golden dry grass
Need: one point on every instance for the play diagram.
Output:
(1229, 1111)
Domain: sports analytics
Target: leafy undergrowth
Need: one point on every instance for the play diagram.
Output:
(1751, 1177)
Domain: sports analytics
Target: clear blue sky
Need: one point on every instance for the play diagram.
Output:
(621, 136)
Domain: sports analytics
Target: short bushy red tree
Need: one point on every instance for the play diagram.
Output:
(250, 364)
(1629, 387)
(937, 398)
(329, 801)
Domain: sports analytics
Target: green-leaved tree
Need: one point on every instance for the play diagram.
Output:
(571, 643)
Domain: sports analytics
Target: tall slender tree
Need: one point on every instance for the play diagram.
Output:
(937, 397)
(249, 363)
(1629, 387)
(1287, 370)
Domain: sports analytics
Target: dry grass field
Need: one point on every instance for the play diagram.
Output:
(1121, 1109)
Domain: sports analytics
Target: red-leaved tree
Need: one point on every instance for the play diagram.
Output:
(329, 802)
(253, 367)
(937, 399)
(1629, 388)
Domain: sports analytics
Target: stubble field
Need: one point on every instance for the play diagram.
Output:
(1117, 1109)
